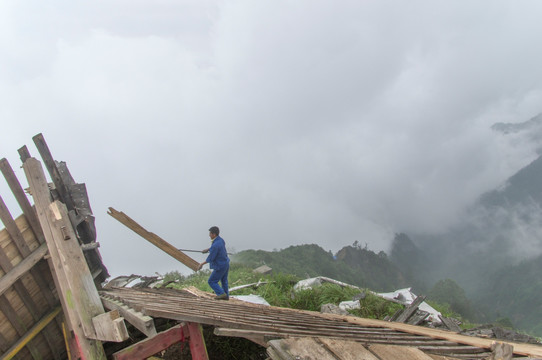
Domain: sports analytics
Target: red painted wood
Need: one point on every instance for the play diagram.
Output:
(151, 346)
(197, 342)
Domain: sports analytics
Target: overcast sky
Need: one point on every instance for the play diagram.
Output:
(282, 122)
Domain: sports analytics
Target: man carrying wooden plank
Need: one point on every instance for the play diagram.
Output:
(220, 264)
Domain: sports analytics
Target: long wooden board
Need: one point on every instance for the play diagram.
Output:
(77, 292)
(154, 239)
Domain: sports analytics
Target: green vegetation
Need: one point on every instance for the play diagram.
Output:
(278, 291)
(449, 292)
(354, 265)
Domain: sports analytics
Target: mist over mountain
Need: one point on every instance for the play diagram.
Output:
(499, 237)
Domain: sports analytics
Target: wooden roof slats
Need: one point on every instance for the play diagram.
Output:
(25, 285)
(258, 321)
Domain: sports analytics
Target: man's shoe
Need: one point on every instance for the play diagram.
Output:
(222, 297)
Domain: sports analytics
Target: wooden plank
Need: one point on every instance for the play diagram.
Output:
(39, 326)
(418, 317)
(24, 154)
(198, 350)
(22, 268)
(154, 239)
(151, 346)
(411, 309)
(259, 339)
(501, 351)
(451, 325)
(110, 327)
(17, 190)
(12, 229)
(301, 348)
(347, 350)
(77, 292)
(51, 167)
(143, 323)
(392, 352)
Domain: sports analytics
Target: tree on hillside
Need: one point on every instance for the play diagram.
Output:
(449, 292)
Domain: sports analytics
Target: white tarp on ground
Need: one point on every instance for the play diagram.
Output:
(254, 299)
(401, 296)
(317, 281)
(406, 297)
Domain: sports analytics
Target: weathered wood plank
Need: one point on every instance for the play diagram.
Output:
(301, 348)
(110, 327)
(143, 323)
(393, 352)
(347, 350)
(197, 342)
(452, 326)
(411, 309)
(78, 294)
(150, 346)
(17, 190)
(501, 351)
(51, 167)
(258, 338)
(154, 239)
(418, 317)
(22, 268)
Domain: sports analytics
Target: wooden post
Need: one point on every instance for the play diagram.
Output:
(197, 342)
(77, 292)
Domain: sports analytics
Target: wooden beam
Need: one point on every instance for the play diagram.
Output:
(23, 341)
(411, 309)
(150, 346)
(450, 324)
(32, 218)
(143, 323)
(22, 268)
(255, 338)
(110, 327)
(154, 239)
(389, 352)
(198, 350)
(77, 292)
(13, 230)
(50, 164)
(17, 190)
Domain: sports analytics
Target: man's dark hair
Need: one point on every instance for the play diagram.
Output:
(214, 230)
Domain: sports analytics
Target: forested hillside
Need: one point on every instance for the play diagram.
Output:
(353, 264)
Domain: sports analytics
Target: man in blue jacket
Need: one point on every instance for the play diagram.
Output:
(220, 264)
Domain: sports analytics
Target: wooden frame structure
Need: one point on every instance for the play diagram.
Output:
(51, 271)
(47, 307)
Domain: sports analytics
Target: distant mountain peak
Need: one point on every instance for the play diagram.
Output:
(534, 123)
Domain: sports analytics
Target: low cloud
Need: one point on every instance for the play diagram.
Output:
(281, 123)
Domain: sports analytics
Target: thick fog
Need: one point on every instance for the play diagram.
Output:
(281, 122)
